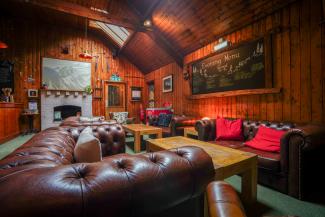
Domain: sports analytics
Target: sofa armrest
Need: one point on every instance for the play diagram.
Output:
(206, 129)
(223, 200)
(118, 186)
(300, 147)
(181, 121)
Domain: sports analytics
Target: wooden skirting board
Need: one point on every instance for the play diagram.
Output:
(237, 93)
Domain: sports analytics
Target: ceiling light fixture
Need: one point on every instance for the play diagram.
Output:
(147, 23)
(3, 45)
(221, 45)
(85, 54)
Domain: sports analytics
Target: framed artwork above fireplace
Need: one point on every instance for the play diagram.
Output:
(60, 74)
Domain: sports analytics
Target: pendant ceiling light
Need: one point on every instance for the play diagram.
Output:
(3, 45)
(85, 54)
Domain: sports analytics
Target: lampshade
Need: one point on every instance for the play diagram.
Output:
(85, 55)
(3, 45)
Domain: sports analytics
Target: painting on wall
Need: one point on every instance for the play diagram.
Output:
(136, 93)
(168, 84)
(65, 74)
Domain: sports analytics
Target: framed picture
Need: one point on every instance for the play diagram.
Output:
(70, 75)
(32, 106)
(136, 93)
(168, 84)
(57, 116)
(7, 75)
(32, 93)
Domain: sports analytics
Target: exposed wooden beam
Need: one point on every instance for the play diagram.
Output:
(152, 9)
(156, 35)
(165, 45)
(81, 11)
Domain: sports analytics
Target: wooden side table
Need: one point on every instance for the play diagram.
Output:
(139, 130)
(30, 117)
(190, 131)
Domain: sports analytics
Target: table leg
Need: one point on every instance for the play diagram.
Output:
(249, 183)
(206, 205)
(30, 123)
(137, 142)
(159, 135)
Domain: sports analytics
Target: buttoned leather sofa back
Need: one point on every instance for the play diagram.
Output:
(41, 179)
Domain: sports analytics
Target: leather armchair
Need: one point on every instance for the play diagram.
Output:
(178, 123)
(176, 126)
(41, 179)
(294, 170)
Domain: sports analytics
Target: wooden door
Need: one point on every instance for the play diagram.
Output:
(115, 97)
(151, 94)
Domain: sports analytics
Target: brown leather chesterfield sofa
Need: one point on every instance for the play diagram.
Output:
(74, 121)
(294, 170)
(42, 179)
(176, 126)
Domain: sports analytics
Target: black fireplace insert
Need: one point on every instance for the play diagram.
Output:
(64, 111)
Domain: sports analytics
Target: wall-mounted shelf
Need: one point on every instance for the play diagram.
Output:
(62, 90)
(98, 92)
(237, 93)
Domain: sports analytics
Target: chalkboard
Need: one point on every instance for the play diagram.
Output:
(6, 75)
(236, 69)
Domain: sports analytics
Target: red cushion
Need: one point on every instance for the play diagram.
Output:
(266, 139)
(229, 130)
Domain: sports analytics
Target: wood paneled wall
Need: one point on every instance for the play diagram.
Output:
(29, 41)
(298, 67)
(175, 97)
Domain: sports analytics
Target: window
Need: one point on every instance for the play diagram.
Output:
(117, 33)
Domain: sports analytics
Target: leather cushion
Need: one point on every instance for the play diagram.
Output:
(88, 148)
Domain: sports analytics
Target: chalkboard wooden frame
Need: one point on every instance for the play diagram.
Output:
(268, 65)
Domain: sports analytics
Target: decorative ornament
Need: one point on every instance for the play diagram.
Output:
(115, 77)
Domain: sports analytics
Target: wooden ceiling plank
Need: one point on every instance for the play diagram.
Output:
(81, 11)
(156, 36)
(120, 51)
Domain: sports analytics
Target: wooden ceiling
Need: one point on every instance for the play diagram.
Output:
(179, 26)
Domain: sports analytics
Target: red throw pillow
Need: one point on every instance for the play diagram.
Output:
(266, 139)
(229, 130)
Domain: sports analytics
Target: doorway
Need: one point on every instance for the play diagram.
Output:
(151, 94)
(115, 97)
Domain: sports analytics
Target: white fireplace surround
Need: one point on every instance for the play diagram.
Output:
(48, 102)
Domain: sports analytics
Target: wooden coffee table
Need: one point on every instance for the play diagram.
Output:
(227, 161)
(139, 130)
(190, 131)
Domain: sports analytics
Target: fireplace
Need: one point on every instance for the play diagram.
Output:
(55, 108)
(64, 111)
